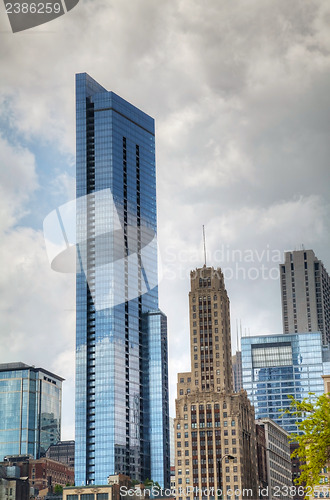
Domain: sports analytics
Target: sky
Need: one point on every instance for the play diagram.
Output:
(240, 94)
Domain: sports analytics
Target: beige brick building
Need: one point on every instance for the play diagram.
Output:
(215, 437)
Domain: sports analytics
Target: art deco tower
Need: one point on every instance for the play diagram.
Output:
(214, 427)
(122, 423)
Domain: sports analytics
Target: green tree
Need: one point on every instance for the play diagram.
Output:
(58, 488)
(313, 417)
(149, 484)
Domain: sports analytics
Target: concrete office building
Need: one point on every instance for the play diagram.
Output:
(279, 475)
(215, 433)
(305, 287)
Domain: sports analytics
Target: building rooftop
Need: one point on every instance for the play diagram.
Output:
(5, 367)
(270, 421)
(280, 334)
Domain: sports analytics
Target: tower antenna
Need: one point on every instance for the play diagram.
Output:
(204, 245)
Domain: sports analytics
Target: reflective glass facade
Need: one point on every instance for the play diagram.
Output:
(30, 410)
(275, 366)
(121, 340)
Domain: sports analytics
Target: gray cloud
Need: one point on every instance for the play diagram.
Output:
(240, 96)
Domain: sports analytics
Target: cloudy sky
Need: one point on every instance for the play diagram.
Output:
(240, 94)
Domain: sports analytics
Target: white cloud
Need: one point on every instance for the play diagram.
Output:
(17, 163)
(64, 184)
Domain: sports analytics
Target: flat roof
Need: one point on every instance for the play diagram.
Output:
(5, 367)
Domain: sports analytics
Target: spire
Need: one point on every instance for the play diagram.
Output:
(204, 246)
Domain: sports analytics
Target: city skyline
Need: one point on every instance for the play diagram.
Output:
(241, 102)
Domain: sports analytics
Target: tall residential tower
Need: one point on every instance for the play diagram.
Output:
(122, 422)
(305, 286)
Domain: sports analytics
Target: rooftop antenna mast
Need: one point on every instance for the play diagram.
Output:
(204, 246)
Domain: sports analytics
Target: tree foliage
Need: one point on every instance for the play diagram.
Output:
(313, 417)
(149, 484)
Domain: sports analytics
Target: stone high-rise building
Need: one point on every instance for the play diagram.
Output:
(305, 287)
(215, 433)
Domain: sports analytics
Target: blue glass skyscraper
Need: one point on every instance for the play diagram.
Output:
(30, 410)
(277, 366)
(122, 422)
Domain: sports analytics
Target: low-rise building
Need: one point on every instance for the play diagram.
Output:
(47, 473)
(105, 492)
(43, 474)
(12, 487)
